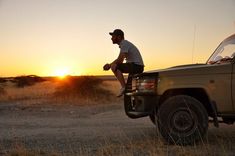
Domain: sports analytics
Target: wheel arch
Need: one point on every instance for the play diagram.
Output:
(198, 93)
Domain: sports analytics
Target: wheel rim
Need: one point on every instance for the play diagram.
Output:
(183, 122)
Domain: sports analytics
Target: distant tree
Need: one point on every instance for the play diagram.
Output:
(29, 80)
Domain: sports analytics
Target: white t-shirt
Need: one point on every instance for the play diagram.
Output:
(133, 54)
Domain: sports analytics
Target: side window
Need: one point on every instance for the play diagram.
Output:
(228, 51)
(224, 53)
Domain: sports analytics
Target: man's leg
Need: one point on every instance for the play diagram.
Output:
(118, 75)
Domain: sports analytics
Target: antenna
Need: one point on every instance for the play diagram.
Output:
(194, 34)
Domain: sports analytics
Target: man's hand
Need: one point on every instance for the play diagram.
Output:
(106, 66)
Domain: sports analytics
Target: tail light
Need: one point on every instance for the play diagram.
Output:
(146, 84)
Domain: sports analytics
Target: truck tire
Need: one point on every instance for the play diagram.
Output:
(182, 120)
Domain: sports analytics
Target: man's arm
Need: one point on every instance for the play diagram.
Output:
(120, 58)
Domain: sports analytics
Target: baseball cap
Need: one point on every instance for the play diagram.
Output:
(117, 32)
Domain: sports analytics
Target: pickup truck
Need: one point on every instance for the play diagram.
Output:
(181, 100)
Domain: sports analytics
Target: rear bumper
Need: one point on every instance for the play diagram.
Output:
(140, 105)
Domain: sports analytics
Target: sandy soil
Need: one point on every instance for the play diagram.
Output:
(75, 130)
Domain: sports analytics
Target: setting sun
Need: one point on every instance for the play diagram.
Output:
(62, 72)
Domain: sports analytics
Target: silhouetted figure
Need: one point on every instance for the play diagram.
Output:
(129, 52)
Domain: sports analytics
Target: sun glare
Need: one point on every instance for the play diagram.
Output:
(62, 73)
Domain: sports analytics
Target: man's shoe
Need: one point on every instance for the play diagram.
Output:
(122, 91)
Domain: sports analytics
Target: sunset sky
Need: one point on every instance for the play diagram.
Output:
(50, 37)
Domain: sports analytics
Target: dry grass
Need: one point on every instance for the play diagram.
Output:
(20, 150)
(146, 146)
(72, 90)
(37, 91)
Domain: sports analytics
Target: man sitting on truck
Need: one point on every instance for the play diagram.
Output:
(128, 51)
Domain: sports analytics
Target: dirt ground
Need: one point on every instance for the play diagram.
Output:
(96, 130)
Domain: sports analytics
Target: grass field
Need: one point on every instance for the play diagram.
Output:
(75, 90)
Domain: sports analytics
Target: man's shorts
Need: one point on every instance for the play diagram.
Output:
(131, 68)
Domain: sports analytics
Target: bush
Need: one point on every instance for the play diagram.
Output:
(22, 81)
(82, 86)
(3, 80)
